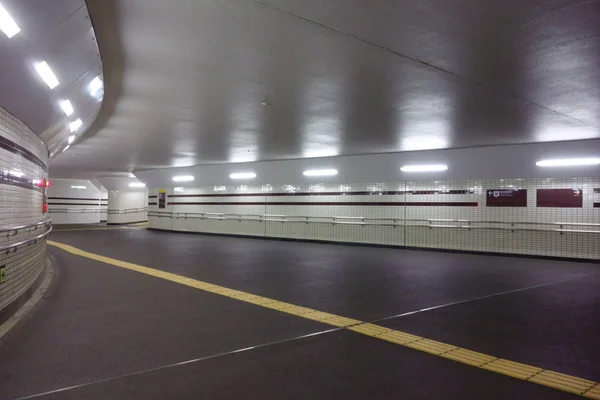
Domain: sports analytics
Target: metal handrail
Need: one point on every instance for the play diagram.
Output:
(13, 246)
(76, 210)
(127, 210)
(364, 221)
(17, 228)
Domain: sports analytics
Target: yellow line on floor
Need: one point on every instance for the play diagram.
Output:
(524, 372)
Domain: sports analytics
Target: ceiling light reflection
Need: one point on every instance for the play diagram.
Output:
(46, 73)
(66, 106)
(73, 126)
(7, 24)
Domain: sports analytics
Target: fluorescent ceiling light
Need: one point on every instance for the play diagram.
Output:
(183, 178)
(178, 189)
(78, 187)
(131, 175)
(243, 175)
(36, 182)
(66, 148)
(424, 168)
(71, 139)
(46, 73)
(7, 24)
(73, 126)
(66, 106)
(320, 172)
(95, 86)
(568, 162)
(137, 184)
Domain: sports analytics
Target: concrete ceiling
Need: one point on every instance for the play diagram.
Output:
(193, 82)
(60, 33)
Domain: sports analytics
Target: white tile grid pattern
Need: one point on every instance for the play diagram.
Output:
(20, 206)
(452, 235)
(75, 206)
(123, 200)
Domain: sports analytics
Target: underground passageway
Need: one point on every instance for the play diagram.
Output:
(277, 199)
(135, 313)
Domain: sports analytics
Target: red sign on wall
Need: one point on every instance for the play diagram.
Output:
(560, 198)
(506, 198)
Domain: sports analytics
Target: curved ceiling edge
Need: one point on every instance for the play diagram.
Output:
(104, 17)
(52, 77)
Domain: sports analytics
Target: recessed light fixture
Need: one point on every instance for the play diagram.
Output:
(46, 73)
(568, 162)
(424, 168)
(95, 86)
(78, 187)
(243, 175)
(137, 185)
(66, 106)
(183, 178)
(320, 172)
(71, 139)
(66, 148)
(7, 24)
(73, 126)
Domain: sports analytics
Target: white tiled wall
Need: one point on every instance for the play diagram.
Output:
(122, 206)
(20, 206)
(76, 201)
(478, 228)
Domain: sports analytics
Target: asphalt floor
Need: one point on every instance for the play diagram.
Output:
(108, 332)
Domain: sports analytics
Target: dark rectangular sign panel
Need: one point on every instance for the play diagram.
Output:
(560, 198)
(506, 198)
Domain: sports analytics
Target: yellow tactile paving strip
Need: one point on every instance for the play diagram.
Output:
(524, 372)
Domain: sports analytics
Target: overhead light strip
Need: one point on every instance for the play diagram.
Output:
(71, 139)
(95, 86)
(183, 178)
(424, 168)
(568, 162)
(46, 73)
(320, 172)
(137, 185)
(7, 24)
(73, 126)
(243, 175)
(67, 107)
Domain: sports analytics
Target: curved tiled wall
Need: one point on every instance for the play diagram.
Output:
(23, 165)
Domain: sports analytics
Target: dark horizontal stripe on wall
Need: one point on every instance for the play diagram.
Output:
(323, 203)
(294, 194)
(14, 148)
(74, 198)
(152, 204)
(596, 205)
(152, 197)
(77, 204)
(24, 183)
(597, 190)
